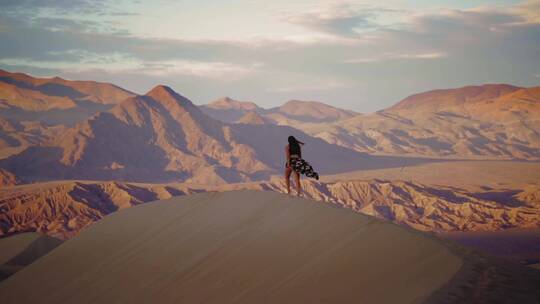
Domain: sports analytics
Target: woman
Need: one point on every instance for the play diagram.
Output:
(296, 164)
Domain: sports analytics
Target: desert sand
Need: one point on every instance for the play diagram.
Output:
(12, 246)
(241, 247)
(464, 174)
(519, 245)
(19, 251)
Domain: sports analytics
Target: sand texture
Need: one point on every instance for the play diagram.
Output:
(12, 246)
(237, 247)
(21, 250)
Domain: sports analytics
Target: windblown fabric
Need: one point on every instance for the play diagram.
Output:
(303, 167)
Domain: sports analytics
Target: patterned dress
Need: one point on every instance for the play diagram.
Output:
(303, 167)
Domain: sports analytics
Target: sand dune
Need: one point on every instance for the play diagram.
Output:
(519, 245)
(21, 250)
(262, 247)
(241, 247)
(12, 246)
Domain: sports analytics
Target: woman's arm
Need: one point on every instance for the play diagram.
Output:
(287, 155)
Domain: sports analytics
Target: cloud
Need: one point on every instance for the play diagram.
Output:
(394, 56)
(336, 18)
(426, 50)
(56, 6)
(63, 15)
(527, 12)
(345, 18)
(120, 63)
(317, 85)
(213, 70)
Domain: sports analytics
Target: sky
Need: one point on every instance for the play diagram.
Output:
(359, 55)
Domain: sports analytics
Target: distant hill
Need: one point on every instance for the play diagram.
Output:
(489, 121)
(291, 113)
(54, 100)
(7, 178)
(229, 110)
(309, 111)
(453, 99)
(79, 122)
(63, 209)
(253, 118)
(16, 136)
(162, 136)
(492, 121)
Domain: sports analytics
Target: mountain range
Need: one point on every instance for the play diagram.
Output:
(162, 136)
(493, 121)
(485, 122)
(103, 132)
(55, 100)
(34, 110)
(290, 113)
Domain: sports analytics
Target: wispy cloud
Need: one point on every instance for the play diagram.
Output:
(334, 18)
(64, 15)
(213, 70)
(65, 8)
(118, 63)
(394, 56)
(317, 85)
(407, 51)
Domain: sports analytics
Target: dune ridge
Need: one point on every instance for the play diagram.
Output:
(22, 250)
(241, 247)
(262, 246)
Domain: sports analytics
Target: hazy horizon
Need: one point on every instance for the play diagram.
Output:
(363, 56)
(275, 105)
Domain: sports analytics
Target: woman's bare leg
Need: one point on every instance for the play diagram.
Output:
(298, 185)
(288, 179)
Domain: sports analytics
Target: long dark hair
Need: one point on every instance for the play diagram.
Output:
(293, 141)
(294, 145)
